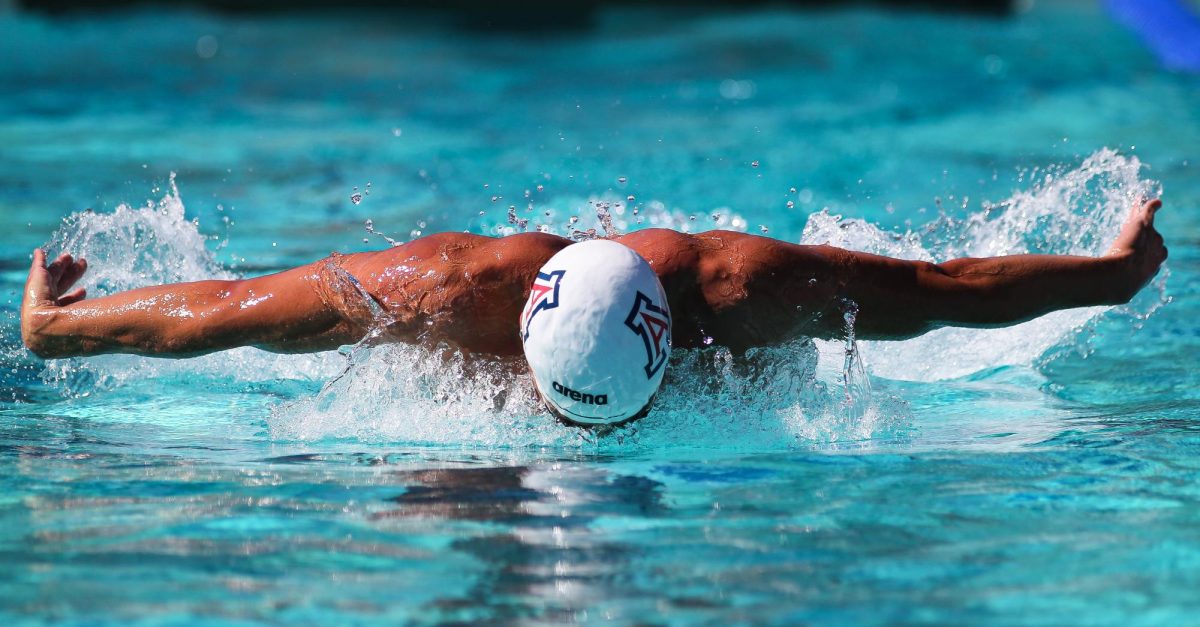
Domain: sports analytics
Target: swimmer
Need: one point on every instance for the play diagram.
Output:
(595, 320)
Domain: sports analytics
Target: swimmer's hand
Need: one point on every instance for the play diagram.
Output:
(46, 290)
(1140, 247)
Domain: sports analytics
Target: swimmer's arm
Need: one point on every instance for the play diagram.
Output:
(898, 299)
(281, 312)
(902, 299)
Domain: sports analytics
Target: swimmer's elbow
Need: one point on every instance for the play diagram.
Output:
(44, 348)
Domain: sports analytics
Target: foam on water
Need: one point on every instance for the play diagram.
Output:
(781, 397)
(771, 399)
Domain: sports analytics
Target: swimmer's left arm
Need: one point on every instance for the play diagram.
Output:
(898, 299)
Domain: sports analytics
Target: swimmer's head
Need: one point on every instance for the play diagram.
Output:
(597, 333)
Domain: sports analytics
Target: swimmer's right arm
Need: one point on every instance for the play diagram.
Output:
(283, 312)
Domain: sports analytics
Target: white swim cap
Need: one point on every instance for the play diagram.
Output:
(597, 333)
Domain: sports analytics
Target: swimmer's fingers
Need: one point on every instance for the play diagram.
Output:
(58, 266)
(75, 296)
(71, 274)
(48, 280)
(40, 285)
(1149, 209)
(1144, 209)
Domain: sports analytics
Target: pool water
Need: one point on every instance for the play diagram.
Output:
(1044, 474)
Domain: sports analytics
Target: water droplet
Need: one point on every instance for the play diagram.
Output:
(792, 190)
(754, 164)
(541, 187)
(762, 227)
(621, 180)
(692, 218)
(631, 198)
(396, 132)
(495, 198)
(812, 281)
(356, 197)
(207, 46)
(790, 204)
(707, 341)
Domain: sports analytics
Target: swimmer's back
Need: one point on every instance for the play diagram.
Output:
(736, 289)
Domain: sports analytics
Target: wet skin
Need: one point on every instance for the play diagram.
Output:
(724, 288)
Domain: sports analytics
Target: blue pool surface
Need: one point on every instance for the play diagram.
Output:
(1044, 474)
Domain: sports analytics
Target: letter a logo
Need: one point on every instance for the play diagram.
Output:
(542, 295)
(653, 324)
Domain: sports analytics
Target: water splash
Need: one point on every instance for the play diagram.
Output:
(770, 399)
(855, 383)
(369, 225)
(152, 244)
(1068, 211)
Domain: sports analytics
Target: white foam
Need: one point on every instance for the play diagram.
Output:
(774, 399)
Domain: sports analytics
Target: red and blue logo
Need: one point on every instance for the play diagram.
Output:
(542, 295)
(653, 324)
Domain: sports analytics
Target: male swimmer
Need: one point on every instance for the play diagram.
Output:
(595, 320)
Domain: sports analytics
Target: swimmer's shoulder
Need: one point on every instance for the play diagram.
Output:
(666, 244)
(658, 238)
(537, 244)
(515, 257)
(666, 250)
(707, 240)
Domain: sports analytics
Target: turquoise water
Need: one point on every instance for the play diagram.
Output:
(1045, 474)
